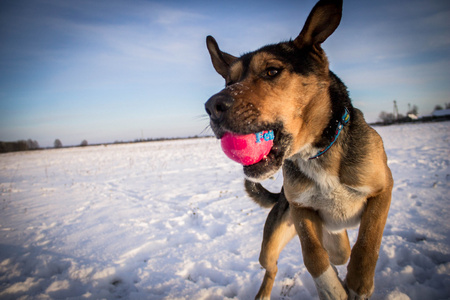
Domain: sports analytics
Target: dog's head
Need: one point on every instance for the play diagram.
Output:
(283, 87)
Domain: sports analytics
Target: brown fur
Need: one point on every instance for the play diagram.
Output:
(288, 88)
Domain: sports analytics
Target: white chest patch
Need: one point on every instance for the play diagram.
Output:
(340, 206)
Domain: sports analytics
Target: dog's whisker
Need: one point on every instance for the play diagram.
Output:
(207, 128)
(201, 117)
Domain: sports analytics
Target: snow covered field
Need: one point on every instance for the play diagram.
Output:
(170, 220)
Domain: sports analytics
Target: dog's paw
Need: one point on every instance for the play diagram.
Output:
(352, 295)
(329, 286)
(364, 291)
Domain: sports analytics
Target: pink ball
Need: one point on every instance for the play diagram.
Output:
(247, 149)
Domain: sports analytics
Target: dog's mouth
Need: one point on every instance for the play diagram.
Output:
(273, 160)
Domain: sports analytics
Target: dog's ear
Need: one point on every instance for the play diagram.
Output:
(321, 23)
(220, 60)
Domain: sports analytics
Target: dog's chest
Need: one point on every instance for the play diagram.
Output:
(339, 206)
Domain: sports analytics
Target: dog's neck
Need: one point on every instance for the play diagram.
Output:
(340, 125)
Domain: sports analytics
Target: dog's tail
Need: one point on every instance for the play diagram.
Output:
(260, 195)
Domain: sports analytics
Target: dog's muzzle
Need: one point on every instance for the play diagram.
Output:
(218, 105)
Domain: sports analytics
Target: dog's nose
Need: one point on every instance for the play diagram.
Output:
(218, 105)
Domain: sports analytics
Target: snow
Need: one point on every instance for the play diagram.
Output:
(170, 220)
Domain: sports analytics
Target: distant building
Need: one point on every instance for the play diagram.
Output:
(413, 116)
(441, 113)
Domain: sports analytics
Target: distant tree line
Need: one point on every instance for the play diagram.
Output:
(26, 145)
(162, 139)
(58, 144)
(22, 145)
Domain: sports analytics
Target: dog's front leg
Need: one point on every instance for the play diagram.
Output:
(278, 231)
(309, 228)
(363, 260)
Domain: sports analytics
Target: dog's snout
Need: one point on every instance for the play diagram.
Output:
(218, 105)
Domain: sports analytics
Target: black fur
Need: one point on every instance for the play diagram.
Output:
(340, 101)
(260, 195)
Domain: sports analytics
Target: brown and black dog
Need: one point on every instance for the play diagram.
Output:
(334, 165)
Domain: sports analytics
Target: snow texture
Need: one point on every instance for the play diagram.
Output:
(170, 220)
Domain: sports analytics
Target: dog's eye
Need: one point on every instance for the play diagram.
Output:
(272, 72)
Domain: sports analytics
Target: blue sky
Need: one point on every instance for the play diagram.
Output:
(122, 70)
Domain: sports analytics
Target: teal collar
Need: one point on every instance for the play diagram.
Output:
(344, 120)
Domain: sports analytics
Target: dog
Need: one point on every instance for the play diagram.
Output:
(335, 172)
